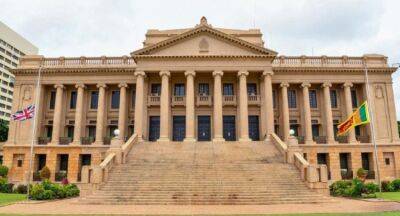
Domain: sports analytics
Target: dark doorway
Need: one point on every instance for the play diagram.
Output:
(203, 128)
(178, 128)
(41, 161)
(154, 128)
(84, 160)
(254, 131)
(229, 128)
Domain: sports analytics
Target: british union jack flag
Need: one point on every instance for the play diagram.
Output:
(26, 113)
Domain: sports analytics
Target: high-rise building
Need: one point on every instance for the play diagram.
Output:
(12, 47)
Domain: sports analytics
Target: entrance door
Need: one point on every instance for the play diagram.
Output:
(178, 127)
(154, 128)
(229, 128)
(203, 128)
(254, 132)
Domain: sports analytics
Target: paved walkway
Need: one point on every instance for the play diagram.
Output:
(69, 207)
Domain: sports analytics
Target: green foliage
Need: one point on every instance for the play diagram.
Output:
(371, 188)
(3, 171)
(3, 131)
(45, 173)
(339, 188)
(395, 184)
(5, 187)
(21, 189)
(361, 173)
(48, 190)
(387, 186)
(353, 188)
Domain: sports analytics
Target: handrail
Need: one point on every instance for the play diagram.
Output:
(127, 146)
(282, 147)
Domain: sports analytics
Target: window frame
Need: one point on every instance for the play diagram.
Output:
(310, 98)
(290, 96)
(94, 106)
(115, 97)
(73, 99)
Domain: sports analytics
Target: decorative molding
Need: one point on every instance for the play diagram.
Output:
(101, 85)
(123, 85)
(268, 73)
(242, 73)
(218, 73)
(190, 73)
(140, 73)
(348, 84)
(284, 85)
(306, 85)
(59, 86)
(326, 85)
(165, 73)
(80, 85)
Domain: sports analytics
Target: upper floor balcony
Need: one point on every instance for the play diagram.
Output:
(229, 100)
(178, 101)
(153, 100)
(254, 100)
(203, 100)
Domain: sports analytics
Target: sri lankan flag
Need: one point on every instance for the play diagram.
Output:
(359, 117)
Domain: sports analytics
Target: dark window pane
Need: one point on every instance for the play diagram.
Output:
(204, 89)
(273, 98)
(334, 99)
(179, 89)
(70, 132)
(156, 89)
(72, 102)
(354, 98)
(114, 99)
(292, 99)
(228, 89)
(315, 130)
(313, 99)
(251, 89)
(94, 98)
(133, 97)
(52, 99)
(49, 131)
(92, 131)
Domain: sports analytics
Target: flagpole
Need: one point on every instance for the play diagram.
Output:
(371, 114)
(34, 129)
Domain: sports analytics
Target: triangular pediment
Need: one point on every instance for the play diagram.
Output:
(204, 40)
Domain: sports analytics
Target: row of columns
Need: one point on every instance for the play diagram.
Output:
(101, 109)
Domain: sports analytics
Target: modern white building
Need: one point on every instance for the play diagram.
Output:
(12, 47)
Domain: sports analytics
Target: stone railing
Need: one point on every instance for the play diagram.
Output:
(315, 176)
(178, 101)
(254, 99)
(203, 100)
(229, 100)
(371, 60)
(153, 100)
(117, 154)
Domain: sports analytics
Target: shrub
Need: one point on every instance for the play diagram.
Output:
(72, 190)
(387, 186)
(65, 181)
(370, 188)
(21, 189)
(48, 190)
(396, 184)
(5, 187)
(356, 188)
(362, 173)
(3, 171)
(339, 188)
(45, 173)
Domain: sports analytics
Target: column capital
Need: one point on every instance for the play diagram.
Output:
(268, 73)
(123, 85)
(61, 86)
(139, 73)
(243, 73)
(165, 73)
(101, 85)
(348, 84)
(327, 85)
(190, 73)
(284, 84)
(306, 85)
(217, 73)
(80, 85)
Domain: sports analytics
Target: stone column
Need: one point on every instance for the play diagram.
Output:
(78, 114)
(217, 115)
(164, 107)
(269, 103)
(140, 75)
(55, 138)
(392, 113)
(308, 139)
(190, 116)
(100, 114)
(122, 111)
(285, 111)
(243, 107)
(330, 136)
(351, 137)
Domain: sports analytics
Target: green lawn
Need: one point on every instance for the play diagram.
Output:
(10, 198)
(393, 196)
(344, 214)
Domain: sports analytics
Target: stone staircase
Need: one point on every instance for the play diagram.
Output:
(204, 173)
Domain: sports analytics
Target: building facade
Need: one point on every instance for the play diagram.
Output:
(202, 84)
(12, 47)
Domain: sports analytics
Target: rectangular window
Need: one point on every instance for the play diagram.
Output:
(70, 131)
(313, 98)
(156, 89)
(251, 89)
(94, 98)
(179, 89)
(354, 101)
(92, 131)
(133, 97)
(72, 102)
(114, 99)
(228, 89)
(292, 99)
(204, 89)
(52, 99)
(334, 99)
(274, 99)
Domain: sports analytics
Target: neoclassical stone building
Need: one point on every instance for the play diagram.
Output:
(201, 84)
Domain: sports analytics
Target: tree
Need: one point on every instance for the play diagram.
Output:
(3, 130)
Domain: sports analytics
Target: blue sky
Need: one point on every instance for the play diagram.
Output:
(295, 27)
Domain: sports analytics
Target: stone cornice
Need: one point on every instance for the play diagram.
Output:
(31, 71)
(137, 57)
(332, 69)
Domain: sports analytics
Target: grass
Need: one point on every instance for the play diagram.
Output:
(10, 198)
(392, 196)
(322, 214)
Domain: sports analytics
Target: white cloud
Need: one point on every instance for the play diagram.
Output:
(93, 28)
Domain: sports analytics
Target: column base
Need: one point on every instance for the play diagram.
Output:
(98, 143)
(53, 143)
(246, 139)
(189, 140)
(76, 143)
(309, 142)
(218, 139)
(163, 139)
